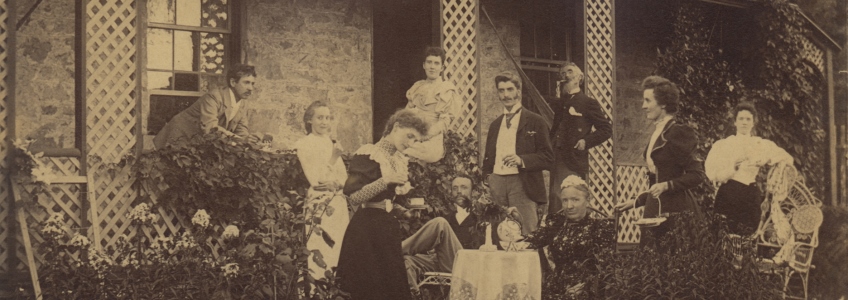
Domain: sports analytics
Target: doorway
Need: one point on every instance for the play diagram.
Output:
(402, 28)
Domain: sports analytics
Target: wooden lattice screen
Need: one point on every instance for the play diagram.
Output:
(814, 54)
(459, 22)
(62, 199)
(600, 70)
(111, 88)
(5, 194)
(630, 181)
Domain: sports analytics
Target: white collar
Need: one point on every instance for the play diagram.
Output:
(514, 109)
(574, 91)
(661, 123)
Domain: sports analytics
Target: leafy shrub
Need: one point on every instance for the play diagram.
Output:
(693, 261)
(250, 244)
(829, 279)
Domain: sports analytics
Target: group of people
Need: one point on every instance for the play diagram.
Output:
(373, 260)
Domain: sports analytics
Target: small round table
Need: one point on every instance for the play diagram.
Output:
(481, 275)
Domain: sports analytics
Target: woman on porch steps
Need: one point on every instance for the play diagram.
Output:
(439, 103)
(371, 263)
(326, 206)
(734, 162)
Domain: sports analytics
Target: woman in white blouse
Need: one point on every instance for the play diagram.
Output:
(734, 162)
(437, 101)
(326, 206)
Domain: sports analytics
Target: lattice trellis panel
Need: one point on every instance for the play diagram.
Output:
(814, 54)
(5, 195)
(631, 180)
(112, 118)
(459, 39)
(61, 199)
(599, 79)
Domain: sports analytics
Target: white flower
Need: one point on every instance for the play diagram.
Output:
(230, 269)
(201, 218)
(222, 15)
(230, 232)
(80, 241)
(212, 23)
(141, 214)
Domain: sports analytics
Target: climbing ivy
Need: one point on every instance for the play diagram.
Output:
(772, 73)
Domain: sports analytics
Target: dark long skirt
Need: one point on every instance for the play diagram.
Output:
(740, 203)
(371, 263)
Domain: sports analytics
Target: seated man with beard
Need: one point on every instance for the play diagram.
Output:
(433, 247)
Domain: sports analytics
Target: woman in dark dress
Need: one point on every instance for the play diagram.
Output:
(572, 238)
(672, 166)
(371, 262)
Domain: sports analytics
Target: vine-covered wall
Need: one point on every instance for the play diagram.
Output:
(758, 58)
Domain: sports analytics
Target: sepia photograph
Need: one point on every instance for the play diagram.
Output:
(423, 149)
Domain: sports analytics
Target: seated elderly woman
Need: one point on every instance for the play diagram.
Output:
(572, 238)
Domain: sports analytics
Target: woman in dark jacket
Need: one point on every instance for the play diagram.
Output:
(371, 264)
(670, 156)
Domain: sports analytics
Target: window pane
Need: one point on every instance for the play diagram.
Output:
(161, 11)
(184, 48)
(215, 13)
(186, 82)
(160, 49)
(163, 108)
(188, 12)
(159, 80)
(212, 52)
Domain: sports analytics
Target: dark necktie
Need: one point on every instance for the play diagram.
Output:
(509, 117)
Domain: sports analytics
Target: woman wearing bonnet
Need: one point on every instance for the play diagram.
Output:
(572, 238)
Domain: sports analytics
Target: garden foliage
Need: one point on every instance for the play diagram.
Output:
(693, 262)
(759, 57)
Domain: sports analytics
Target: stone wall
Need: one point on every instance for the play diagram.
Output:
(306, 51)
(44, 81)
(637, 41)
(494, 59)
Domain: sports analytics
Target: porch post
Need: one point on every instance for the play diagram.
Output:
(600, 74)
(458, 23)
(111, 92)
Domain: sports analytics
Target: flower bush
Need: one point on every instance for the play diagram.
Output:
(246, 239)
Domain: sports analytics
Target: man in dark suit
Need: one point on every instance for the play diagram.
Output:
(575, 114)
(220, 109)
(518, 149)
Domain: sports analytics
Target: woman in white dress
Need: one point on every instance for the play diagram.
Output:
(326, 205)
(734, 162)
(438, 102)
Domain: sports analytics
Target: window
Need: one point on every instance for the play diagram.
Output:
(187, 51)
(546, 41)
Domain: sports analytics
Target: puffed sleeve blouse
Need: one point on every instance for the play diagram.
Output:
(720, 165)
(437, 100)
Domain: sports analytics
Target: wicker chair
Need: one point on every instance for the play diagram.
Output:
(790, 225)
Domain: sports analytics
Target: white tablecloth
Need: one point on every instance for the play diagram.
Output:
(497, 275)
